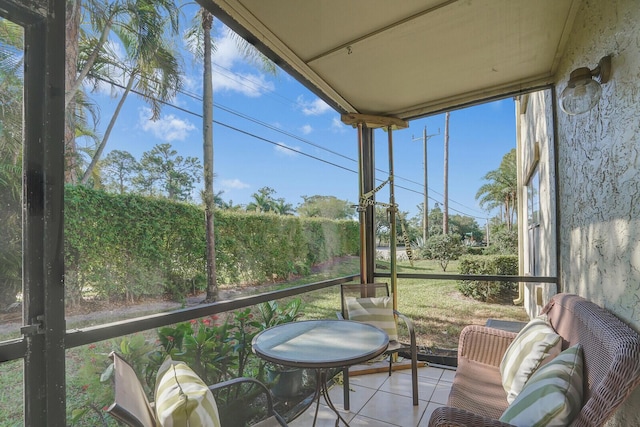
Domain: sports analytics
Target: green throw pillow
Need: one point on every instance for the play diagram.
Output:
(553, 394)
(374, 311)
(182, 398)
(533, 344)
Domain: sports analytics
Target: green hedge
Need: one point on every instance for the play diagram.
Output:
(129, 246)
(490, 265)
(475, 250)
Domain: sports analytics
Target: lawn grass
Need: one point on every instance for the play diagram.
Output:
(438, 310)
(11, 391)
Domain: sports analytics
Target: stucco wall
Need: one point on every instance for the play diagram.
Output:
(599, 164)
(599, 171)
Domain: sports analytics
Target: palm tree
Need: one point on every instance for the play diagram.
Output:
(227, 206)
(153, 71)
(262, 200)
(200, 43)
(140, 19)
(283, 208)
(143, 21)
(201, 36)
(501, 190)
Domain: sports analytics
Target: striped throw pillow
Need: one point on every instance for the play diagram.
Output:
(374, 311)
(553, 394)
(182, 398)
(533, 344)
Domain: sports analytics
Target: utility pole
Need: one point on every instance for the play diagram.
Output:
(445, 213)
(487, 233)
(425, 205)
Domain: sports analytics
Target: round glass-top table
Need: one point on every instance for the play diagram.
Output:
(320, 345)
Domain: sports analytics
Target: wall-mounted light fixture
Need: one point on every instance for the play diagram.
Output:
(583, 92)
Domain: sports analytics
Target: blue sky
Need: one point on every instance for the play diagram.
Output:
(272, 131)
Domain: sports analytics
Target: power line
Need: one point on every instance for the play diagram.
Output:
(184, 110)
(306, 141)
(291, 135)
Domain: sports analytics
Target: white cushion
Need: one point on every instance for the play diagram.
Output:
(182, 398)
(374, 311)
(553, 394)
(533, 344)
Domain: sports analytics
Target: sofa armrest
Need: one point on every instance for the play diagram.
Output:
(484, 345)
(446, 416)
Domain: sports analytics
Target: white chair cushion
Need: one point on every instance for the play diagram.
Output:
(182, 398)
(534, 343)
(553, 394)
(376, 311)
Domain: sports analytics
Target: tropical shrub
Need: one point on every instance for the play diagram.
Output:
(503, 242)
(444, 248)
(487, 291)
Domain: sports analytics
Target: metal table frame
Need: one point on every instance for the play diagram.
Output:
(321, 345)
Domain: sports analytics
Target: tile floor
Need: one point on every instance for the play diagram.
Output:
(381, 400)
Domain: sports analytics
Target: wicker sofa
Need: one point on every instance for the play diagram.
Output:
(611, 365)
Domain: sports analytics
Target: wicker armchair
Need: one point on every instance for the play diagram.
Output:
(611, 366)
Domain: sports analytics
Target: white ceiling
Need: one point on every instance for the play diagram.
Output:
(407, 58)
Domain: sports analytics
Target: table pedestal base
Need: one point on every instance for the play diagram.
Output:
(321, 389)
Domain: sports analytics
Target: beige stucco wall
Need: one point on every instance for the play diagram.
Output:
(599, 164)
(599, 171)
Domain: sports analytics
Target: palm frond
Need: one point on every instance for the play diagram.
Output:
(254, 56)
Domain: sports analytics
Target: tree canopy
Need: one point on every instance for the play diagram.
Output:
(264, 201)
(326, 207)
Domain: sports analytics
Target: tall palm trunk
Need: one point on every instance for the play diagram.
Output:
(107, 133)
(207, 145)
(508, 213)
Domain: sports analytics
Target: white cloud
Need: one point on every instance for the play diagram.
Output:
(337, 125)
(285, 149)
(192, 83)
(251, 85)
(225, 78)
(313, 108)
(226, 53)
(306, 129)
(167, 128)
(233, 184)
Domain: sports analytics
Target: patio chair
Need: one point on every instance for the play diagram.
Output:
(132, 407)
(376, 309)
